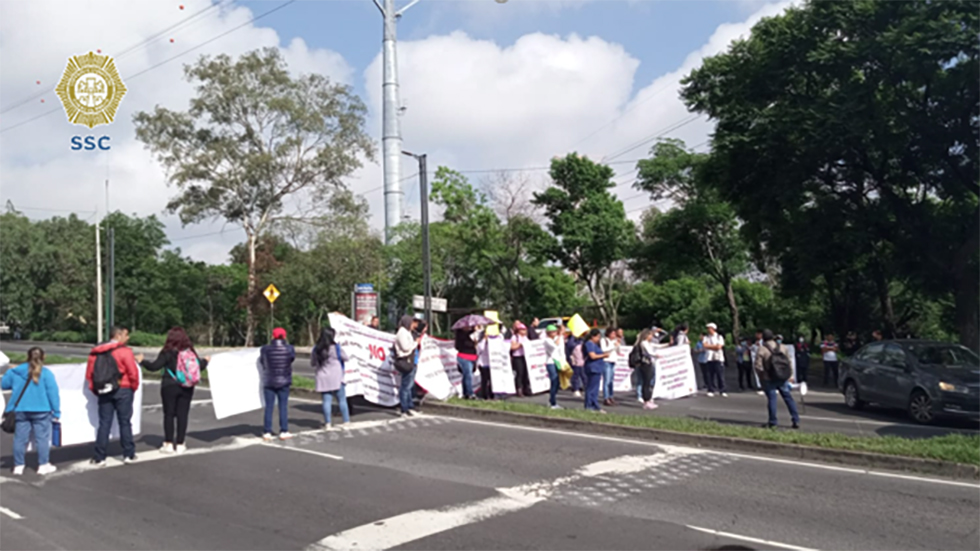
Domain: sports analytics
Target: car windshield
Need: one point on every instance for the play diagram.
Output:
(946, 355)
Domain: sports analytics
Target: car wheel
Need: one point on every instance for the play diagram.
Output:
(920, 407)
(851, 396)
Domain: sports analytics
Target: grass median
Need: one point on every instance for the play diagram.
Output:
(17, 358)
(957, 448)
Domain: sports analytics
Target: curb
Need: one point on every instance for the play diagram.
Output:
(865, 460)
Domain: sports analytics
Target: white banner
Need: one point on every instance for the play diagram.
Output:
(80, 407)
(501, 373)
(675, 373)
(622, 379)
(437, 364)
(235, 380)
(537, 366)
(369, 372)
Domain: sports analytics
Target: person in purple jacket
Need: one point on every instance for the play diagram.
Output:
(329, 361)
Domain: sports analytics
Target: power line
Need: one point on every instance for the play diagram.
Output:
(168, 60)
(621, 115)
(654, 136)
(126, 51)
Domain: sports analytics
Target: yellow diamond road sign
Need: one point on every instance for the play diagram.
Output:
(271, 293)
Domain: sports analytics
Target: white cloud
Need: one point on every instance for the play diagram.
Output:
(471, 104)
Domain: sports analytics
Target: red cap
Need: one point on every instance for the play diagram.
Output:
(279, 333)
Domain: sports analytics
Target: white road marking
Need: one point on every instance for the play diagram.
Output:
(794, 463)
(10, 513)
(408, 527)
(304, 450)
(193, 403)
(749, 539)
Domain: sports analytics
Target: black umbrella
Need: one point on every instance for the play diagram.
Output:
(472, 320)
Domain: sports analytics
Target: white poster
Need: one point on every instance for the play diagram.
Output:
(369, 372)
(622, 379)
(80, 407)
(501, 373)
(450, 365)
(437, 363)
(537, 366)
(235, 380)
(4, 360)
(675, 373)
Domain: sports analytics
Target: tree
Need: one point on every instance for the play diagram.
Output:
(865, 113)
(253, 136)
(701, 235)
(138, 242)
(592, 232)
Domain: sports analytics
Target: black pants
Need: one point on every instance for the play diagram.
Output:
(802, 368)
(522, 380)
(830, 369)
(646, 380)
(745, 370)
(486, 387)
(176, 406)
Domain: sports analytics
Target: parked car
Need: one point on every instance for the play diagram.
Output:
(925, 378)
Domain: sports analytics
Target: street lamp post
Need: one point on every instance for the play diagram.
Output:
(391, 135)
(426, 258)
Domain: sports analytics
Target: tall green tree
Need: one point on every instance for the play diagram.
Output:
(856, 123)
(700, 235)
(254, 136)
(593, 235)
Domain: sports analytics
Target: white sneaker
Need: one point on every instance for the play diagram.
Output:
(327, 427)
(556, 406)
(711, 395)
(578, 394)
(181, 448)
(18, 470)
(129, 460)
(96, 463)
(640, 400)
(167, 448)
(724, 395)
(285, 435)
(47, 468)
(761, 393)
(267, 437)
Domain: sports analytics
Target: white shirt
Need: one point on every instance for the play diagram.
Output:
(555, 350)
(714, 355)
(608, 345)
(830, 355)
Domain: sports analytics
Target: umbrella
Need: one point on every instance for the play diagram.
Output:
(472, 320)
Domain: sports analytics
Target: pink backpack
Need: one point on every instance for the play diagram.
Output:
(578, 358)
(188, 369)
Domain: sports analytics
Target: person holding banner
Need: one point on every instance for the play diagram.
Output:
(522, 379)
(405, 345)
(483, 352)
(595, 368)
(175, 359)
(328, 361)
(610, 345)
(36, 405)
(554, 348)
(277, 360)
(465, 339)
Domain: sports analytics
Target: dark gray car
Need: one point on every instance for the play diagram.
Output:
(925, 378)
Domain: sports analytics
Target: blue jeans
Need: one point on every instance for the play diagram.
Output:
(341, 395)
(41, 423)
(271, 395)
(553, 376)
(466, 367)
(405, 390)
(119, 402)
(593, 379)
(609, 376)
(783, 389)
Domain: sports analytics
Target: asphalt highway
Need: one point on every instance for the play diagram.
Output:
(440, 483)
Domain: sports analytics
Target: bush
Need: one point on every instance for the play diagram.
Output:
(63, 336)
(139, 338)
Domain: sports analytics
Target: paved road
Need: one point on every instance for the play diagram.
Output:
(440, 483)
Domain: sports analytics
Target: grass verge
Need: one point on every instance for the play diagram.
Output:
(957, 448)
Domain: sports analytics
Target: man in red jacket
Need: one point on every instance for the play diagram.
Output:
(119, 401)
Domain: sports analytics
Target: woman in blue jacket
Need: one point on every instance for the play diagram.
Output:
(35, 409)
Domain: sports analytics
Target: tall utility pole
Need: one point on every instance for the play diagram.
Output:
(98, 282)
(426, 257)
(391, 134)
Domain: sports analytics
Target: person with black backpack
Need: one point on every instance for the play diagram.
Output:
(775, 371)
(114, 376)
(181, 367)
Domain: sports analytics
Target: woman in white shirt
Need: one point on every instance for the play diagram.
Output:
(610, 345)
(648, 369)
(554, 348)
(405, 345)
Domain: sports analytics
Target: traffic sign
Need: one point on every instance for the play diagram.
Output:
(438, 304)
(271, 293)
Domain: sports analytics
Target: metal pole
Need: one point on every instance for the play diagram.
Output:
(111, 317)
(98, 281)
(272, 317)
(391, 138)
(426, 258)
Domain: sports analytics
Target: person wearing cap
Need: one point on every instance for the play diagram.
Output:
(714, 356)
(522, 379)
(554, 349)
(277, 359)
